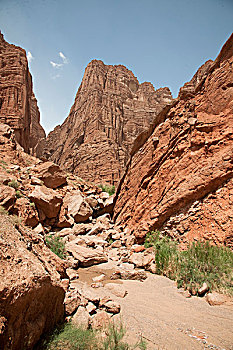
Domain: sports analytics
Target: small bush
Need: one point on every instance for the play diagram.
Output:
(32, 204)
(3, 211)
(18, 194)
(13, 184)
(108, 188)
(56, 244)
(201, 262)
(69, 337)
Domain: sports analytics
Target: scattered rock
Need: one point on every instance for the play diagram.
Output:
(100, 320)
(47, 200)
(203, 289)
(86, 256)
(81, 318)
(215, 298)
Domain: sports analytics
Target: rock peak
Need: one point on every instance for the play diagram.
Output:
(110, 109)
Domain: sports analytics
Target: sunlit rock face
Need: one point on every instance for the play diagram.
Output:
(110, 110)
(180, 180)
(18, 105)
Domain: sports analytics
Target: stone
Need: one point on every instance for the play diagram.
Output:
(112, 307)
(116, 289)
(7, 196)
(72, 274)
(193, 159)
(47, 200)
(39, 229)
(30, 285)
(215, 298)
(90, 308)
(51, 174)
(110, 110)
(203, 289)
(72, 302)
(77, 207)
(99, 278)
(100, 320)
(36, 181)
(123, 274)
(81, 318)
(86, 256)
(18, 105)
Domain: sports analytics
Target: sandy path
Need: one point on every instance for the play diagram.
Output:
(155, 309)
(168, 320)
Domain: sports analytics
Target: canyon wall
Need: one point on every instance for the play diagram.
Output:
(18, 105)
(111, 108)
(180, 177)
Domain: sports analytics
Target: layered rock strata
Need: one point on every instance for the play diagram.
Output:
(180, 177)
(111, 108)
(18, 105)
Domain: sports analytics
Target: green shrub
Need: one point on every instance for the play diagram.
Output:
(3, 211)
(13, 184)
(108, 188)
(18, 194)
(201, 262)
(69, 337)
(32, 204)
(56, 244)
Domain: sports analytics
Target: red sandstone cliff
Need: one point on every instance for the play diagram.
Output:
(180, 177)
(18, 105)
(111, 108)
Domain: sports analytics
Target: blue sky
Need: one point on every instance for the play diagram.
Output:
(161, 41)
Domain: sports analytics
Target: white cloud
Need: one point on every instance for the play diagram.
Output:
(56, 65)
(64, 58)
(29, 56)
(56, 76)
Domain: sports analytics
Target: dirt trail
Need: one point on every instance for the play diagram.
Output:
(167, 320)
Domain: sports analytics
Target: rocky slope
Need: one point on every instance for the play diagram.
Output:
(111, 108)
(180, 177)
(18, 105)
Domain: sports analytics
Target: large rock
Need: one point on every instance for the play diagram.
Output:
(18, 107)
(46, 200)
(7, 196)
(86, 256)
(75, 206)
(180, 175)
(110, 109)
(31, 298)
(51, 174)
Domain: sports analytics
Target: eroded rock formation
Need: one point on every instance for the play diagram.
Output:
(111, 108)
(180, 180)
(18, 105)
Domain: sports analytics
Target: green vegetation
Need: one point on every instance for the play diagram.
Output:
(18, 194)
(3, 211)
(32, 204)
(70, 337)
(13, 184)
(201, 262)
(108, 188)
(56, 244)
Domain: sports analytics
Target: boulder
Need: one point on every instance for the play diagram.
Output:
(77, 206)
(7, 196)
(31, 296)
(81, 318)
(46, 200)
(215, 298)
(51, 174)
(86, 256)
(100, 320)
(72, 302)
